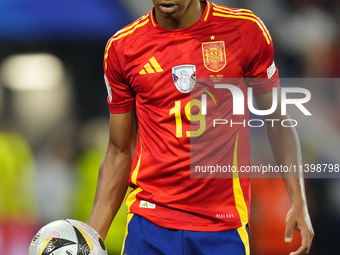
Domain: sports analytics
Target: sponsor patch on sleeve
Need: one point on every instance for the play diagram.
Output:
(108, 87)
(271, 70)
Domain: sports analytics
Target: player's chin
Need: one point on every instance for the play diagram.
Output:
(170, 15)
(168, 9)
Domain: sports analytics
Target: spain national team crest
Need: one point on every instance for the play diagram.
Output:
(184, 77)
(214, 56)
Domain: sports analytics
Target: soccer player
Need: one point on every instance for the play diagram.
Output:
(153, 69)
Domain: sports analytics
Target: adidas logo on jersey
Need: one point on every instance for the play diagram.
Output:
(151, 67)
(146, 204)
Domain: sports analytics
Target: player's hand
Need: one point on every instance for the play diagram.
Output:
(298, 219)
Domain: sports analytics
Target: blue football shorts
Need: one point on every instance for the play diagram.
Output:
(145, 238)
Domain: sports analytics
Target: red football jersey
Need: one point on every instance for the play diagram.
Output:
(163, 74)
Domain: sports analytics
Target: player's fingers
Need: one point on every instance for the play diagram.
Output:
(308, 237)
(301, 251)
(289, 231)
(305, 243)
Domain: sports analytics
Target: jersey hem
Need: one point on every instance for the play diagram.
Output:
(192, 226)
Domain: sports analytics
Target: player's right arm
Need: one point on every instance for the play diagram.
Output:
(113, 172)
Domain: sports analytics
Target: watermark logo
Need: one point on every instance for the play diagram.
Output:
(242, 101)
(238, 100)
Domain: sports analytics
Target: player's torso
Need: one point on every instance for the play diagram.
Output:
(166, 68)
(162, 66)
(169, 71)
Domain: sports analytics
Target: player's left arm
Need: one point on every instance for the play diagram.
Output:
(285, 145)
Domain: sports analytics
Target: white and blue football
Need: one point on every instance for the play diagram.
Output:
(67, 237)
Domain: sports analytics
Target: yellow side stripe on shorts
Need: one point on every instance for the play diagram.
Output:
(128, 219)
(132, 197)
(240, 203)
(242, 231)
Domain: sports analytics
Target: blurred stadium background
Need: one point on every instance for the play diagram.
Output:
(54, 116)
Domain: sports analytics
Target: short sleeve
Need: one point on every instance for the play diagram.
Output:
(121, 97)
(260, 70)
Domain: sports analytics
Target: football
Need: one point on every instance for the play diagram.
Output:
(67, 237)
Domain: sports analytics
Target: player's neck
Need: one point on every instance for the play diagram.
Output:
(189, 16)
